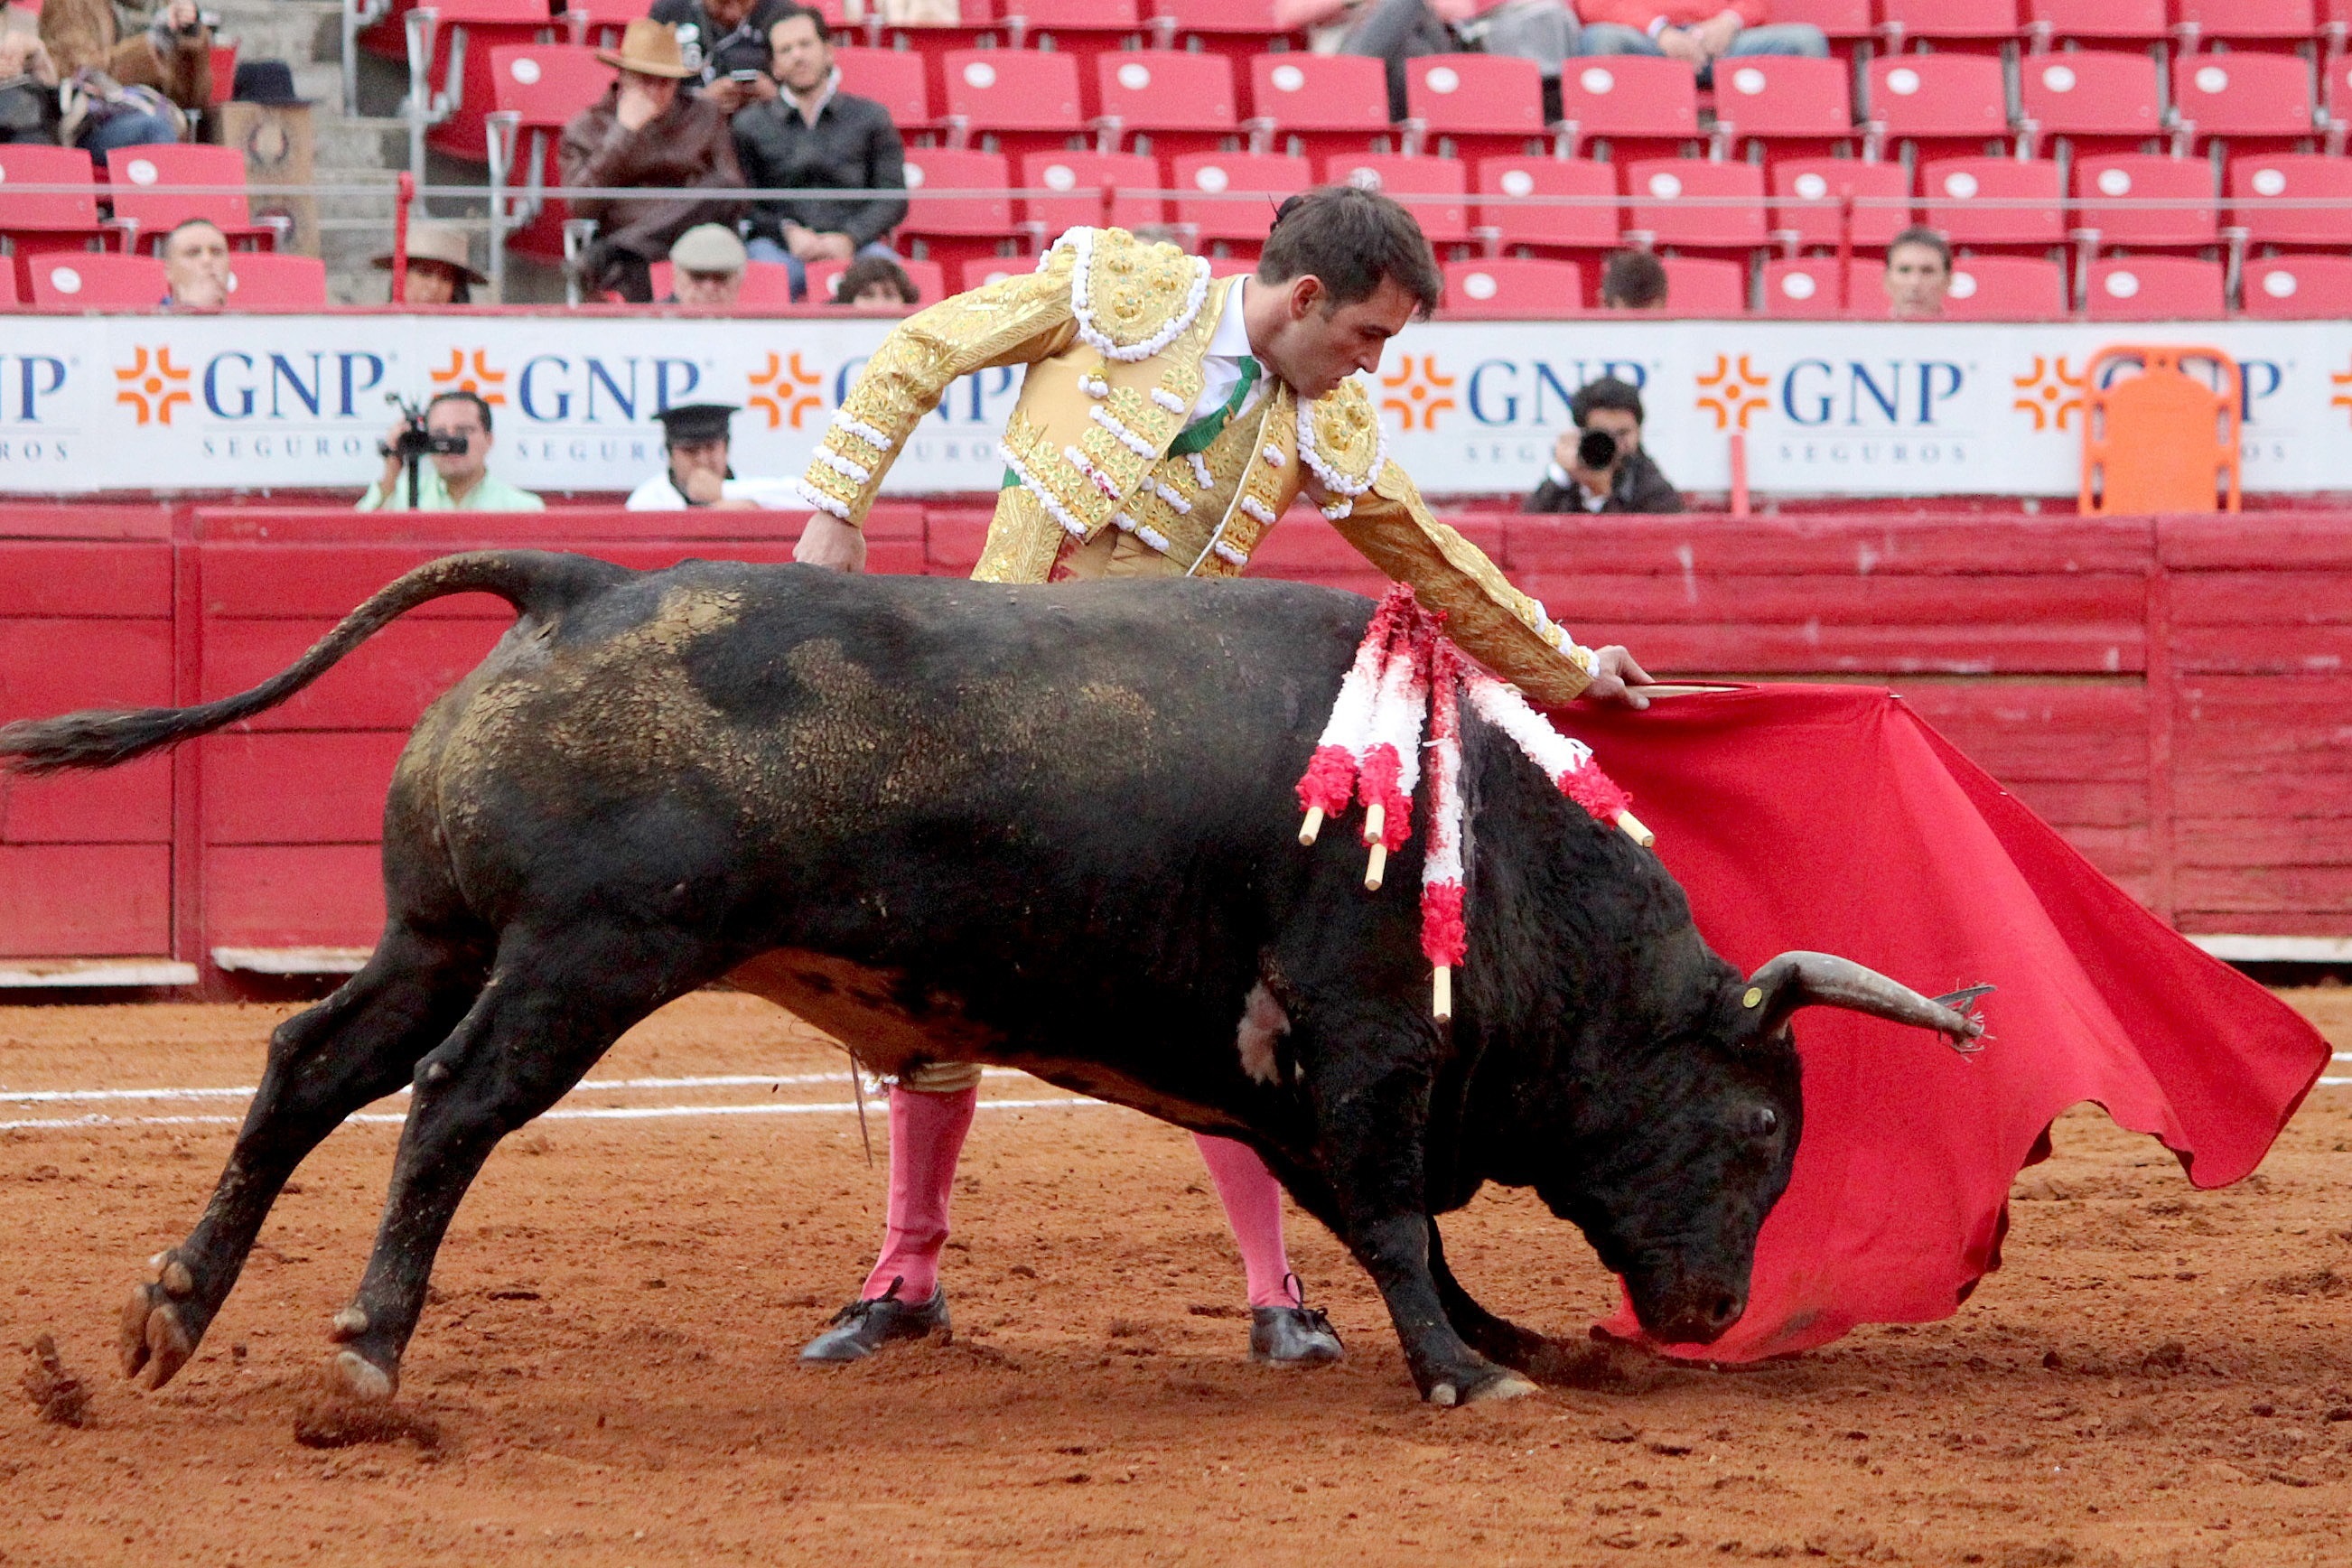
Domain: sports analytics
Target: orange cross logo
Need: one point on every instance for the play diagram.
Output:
(785, 391)
(1733, 392)
(158, 380)
(478, 377)
(2043, 393)
(1416, 393)
(2343, 385)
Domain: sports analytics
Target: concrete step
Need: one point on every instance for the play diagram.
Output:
(299, 32)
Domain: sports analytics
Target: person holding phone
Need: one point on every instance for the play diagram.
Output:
(725, 44)
(1600, 466)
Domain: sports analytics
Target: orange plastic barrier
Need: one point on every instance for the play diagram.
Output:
(2161, 439)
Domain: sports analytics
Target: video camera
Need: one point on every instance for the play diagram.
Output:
(1596, 449)
(415, 443)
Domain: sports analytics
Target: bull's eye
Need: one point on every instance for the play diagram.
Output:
(1763, 1120)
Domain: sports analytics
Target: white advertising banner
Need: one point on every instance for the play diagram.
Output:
(164, 403)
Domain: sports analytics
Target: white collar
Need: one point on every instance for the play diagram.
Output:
(1230, 338)
(831, 86)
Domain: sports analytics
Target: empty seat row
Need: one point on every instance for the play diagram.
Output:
(139, 188)
(104, 280)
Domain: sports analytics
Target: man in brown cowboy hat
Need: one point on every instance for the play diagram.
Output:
(440, 272)
(645, 132)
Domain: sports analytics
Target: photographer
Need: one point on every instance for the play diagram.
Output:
(1600, 466)
(448, 448)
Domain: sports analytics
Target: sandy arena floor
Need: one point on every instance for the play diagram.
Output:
(2156, 1376)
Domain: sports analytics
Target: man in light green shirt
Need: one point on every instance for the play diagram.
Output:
(450, 481)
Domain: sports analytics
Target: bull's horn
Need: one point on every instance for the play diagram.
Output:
(1797, 980)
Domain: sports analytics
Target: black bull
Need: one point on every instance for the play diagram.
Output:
(1052, 828)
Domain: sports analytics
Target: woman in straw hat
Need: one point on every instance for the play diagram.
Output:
(645, 132)
(440, 272)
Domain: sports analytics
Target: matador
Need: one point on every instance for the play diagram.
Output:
(1167, 420)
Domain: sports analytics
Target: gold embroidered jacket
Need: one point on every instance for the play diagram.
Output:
(1114, 331)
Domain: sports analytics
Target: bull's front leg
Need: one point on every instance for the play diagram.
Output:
(1372, 1108)
(1554, 1363)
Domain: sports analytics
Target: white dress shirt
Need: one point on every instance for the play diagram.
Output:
(1220, 367)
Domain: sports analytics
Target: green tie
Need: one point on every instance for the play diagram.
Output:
(1195, 436)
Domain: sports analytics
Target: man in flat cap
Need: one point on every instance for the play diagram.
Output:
(695, 435)
(707, 267)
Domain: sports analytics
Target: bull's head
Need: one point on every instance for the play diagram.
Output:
(1672, 1172)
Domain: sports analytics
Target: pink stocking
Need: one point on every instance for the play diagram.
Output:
(1252, 1200)
(926, 1136)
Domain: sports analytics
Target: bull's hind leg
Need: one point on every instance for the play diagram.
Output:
(553, 1006)
(324, 1063)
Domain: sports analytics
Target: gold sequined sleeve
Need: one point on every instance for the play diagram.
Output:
(1015, 320)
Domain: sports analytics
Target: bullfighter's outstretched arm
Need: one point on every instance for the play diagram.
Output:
(1014, 320)
(1373, 504)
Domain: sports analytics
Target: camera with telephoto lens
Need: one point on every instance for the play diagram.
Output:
(1596, 449)
(415, 440)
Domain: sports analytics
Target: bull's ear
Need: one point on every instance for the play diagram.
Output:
(1795, 980)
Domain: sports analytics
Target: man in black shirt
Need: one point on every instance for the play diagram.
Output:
(1627, 481)
(814, 136)
(725, 44)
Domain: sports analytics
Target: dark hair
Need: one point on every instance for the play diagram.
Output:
(1351, 240)
(1633, 280)
(183, 226)
(1920, 234)
(816, 20)
(462, 395)
(1606, 393)
(866, 271)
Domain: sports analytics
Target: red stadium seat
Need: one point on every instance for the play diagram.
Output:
(94, 281)
(2339, 100)
(2297, 287)
(1084, 29)
(1236, 29)
(1165, 101)
(1432, 189)
(980, 271)
(139, 178)
(1075, 182)
(945, 227)
(1013, 99)
(1922, 97)
(928, 277)
(1882, 194)
(1306, 104)
(1586, 218)
(2264, 21)
(2264, 181)
(466, 33)
(1784, 98)
(1695, 203)
(2107, 98)
(1231, 196)
(2005, 288)
(33, 224)
(765, 283)
(1467, 105)
(2242, 96)
(262, 281)
(1807, 287)
(977, 26)
(1508, 287)
(2137, 20)
(2153, 288)
(8, 287)
(2144, 176)
(1628, 98)
(1696, 286)
(895, 79)
(1839, 20)
(1967, 22)
(536, 89)
(1993, 201)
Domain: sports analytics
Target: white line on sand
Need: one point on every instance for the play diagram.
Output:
(582, 1113)
(245, 1091)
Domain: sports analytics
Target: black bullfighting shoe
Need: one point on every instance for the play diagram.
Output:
(860, 1329)
(1292, 1336)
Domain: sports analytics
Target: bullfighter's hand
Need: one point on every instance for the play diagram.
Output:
(829, 541)
(1615, 676)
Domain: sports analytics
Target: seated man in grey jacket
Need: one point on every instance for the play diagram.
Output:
(1600, 466)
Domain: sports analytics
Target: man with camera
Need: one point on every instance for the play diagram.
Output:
(1600, 466)
(454, 433)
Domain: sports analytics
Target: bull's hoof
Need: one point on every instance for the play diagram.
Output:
(152, 1339)
(1470, 1385)
(1510, 1385)
(353, 1373)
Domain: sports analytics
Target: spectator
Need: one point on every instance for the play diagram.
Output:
(440, 268)
(645, 132)
(694, 435)
(1395, 31)
(1696, 32)
(1632, 280)
(456, 481)
(816, 137)
(876, 281)
(126, 92)
(29, 79)
(195, 265)
(1600, 466)
(706, 267)
(725, 44)
(1918, 275)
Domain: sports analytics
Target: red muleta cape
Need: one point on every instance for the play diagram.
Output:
(1833, 818)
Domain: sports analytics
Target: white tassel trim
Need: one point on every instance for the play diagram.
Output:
(1082, 242)
(1272, 454)
(1170, 401)
(1142, 531)
(1176, 503)
(1053, 509)
(862, 431)
(1126, 437)
(1257, 509)
(1096, 386)
(1338, 509)
(855, 473)
(1084, 465)
(1332, 478)
(1201, 475)
(821, 501)
(1229, 554)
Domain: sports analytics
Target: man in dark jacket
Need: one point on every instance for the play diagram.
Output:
(1627, 481)
(645, 132)
(814, 136)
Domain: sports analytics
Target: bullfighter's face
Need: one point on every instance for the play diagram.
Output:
(1315, 344)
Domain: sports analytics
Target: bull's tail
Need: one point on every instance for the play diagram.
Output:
(535, 583)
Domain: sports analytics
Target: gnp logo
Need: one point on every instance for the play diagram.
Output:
(152, 384)
(235, 385)
(1417, 393)
(786, 391)
(471, 372)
